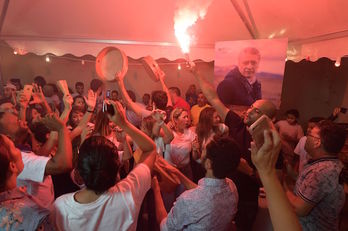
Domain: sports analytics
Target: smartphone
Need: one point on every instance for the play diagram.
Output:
(108, 108)
(108, 94)
(343, 110)
(258, 127)
(28, 90)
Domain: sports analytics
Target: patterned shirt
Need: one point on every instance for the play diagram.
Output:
(210, 206)
(20, 211)
(318, 185)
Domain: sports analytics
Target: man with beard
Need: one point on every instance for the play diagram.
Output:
(240, 86)
(37, 169)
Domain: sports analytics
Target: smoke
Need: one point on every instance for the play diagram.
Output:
(186, 15)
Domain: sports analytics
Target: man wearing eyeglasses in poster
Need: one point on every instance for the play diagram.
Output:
(240, 86)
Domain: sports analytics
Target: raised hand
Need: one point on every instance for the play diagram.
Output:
(119, 117)
(266, 157)
(119, 76)
(22, 99)
(52, 122)
(91, 100)
(38, 96)
(68, 101)
(159, 115)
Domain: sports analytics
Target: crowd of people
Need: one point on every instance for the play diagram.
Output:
(100, 160)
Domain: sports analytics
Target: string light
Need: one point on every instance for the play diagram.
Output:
(338, 62)
(179, 66)
(48, 59)
(83, 62)
(15, 52)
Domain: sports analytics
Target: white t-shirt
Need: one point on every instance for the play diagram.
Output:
(34, 179)
(300, 150)
(116, 209)
(177, 153)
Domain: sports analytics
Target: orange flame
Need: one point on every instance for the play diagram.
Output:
(185, 17)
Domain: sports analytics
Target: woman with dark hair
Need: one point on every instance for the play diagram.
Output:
(106, 202)
(18, 210)
(80, 101)
(208, 126)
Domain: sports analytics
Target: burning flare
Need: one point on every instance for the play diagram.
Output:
(186, 15)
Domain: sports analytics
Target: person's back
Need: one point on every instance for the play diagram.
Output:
(214, 201)
(328, 199)
(212, 204)
(115, 209)
(106, 203)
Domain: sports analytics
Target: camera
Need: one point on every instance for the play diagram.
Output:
(108, 108)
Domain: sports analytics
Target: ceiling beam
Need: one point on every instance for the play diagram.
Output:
(244, 18)
(251, 18)
(3, 13)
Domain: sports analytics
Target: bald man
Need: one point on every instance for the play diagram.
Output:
(245, 178)
(240, 86)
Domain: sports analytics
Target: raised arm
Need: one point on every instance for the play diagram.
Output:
(127, 100)
(210, 94)
(91, 101)
(162, 75)
(62, 160)
(160, 128)
(39, 98)
(68, 101)
(145, 143)
(282, 214)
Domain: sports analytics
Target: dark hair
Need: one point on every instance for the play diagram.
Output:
(131, 95)
(176, 90)
(205, 124)
(95, 84)
(17, 82)
(4, 162)
(40, 81)
(80, 97)
(315, 119)
(160, 99)
(2, 101)
(40, 131)
(114, 91)
(75, 109)
(98, 163)
(332, 136)
(224, 154)
(102, 124)
(79, 84)
(28, 113)
(293, 112)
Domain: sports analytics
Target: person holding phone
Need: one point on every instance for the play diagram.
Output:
(245, 180)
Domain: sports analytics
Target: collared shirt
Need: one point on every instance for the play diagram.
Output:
(318, 185)
(210, 206)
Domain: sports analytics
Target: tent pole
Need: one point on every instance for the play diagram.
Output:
(251, 18)
(244, 18)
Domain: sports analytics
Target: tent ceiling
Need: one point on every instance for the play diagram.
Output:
(140, 27)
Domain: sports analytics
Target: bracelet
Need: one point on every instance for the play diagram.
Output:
(90, 111)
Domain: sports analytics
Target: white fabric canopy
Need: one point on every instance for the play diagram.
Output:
(315, 28)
